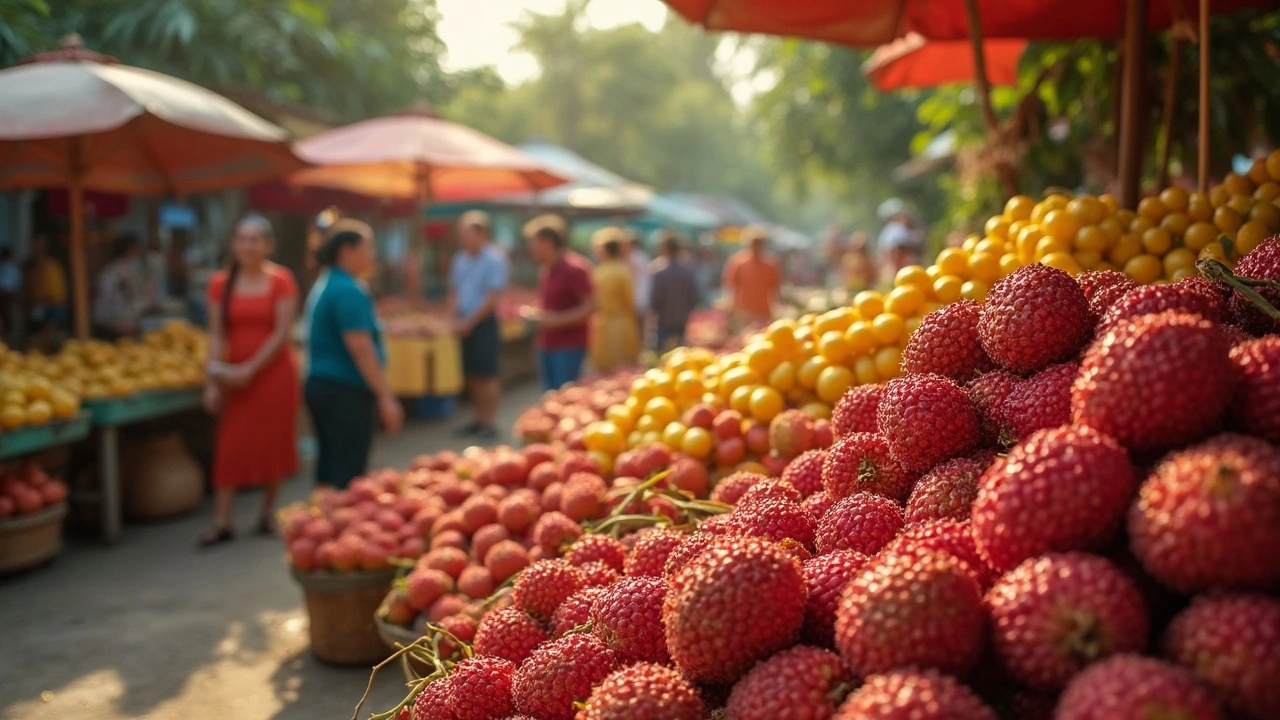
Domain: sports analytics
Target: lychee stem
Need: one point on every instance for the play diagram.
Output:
(1218, 272)
(374, 674)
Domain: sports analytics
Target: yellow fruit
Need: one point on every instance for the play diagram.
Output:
(833, 382)
(14, 396)
(1215, 252)
(648, 423)
(1062, 261)
(997, 227)
(1049, 245)
(1183, 273)
(947, 288)
(807, 375)
(1152, 209)
(740, 399)
(1109, 202)
(1227, 219)
(619, 415)
(864, 370)
(1199, 208)
(1258, 172)
(1144, 269)
(783, 377)
(913, 275)
(1019, 207)
(662, 409)
(1060, 224)
(974, 290)
(1219, 196)
(904, 300)
(990, 245)
(1026, 242)
(673, 434)
(1008, 263)
(604, 460)
(736, 378)
(1087, 260)
(1266, 192)
(766, 403)
(1241, 204)
(782, 335)
(934, 272)
(1267, 214)
(1174, 198)
(834, 347)
(868, 303)
(642, 390)
(12, 416)
(861, 337)
(1157, 241)
(817, 410)
(65, 405)
(1273, 165)
(1199, 235)
(762, 358)
(1180, 258)
(1176, 223)
(888, 328)
(888, 363)
(951, 261)
(1091, 238)
(1237, 184)
(911, 324)
(1250, 235)
(1112, 228)
(1087, 210)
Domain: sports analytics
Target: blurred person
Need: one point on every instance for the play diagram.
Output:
(857, 267)
(45, 285)
(707, 272)
(753, 279)
(834, 248)
(10, 289)
(477, 279)
(123, 292)
(638, 262)
(346, 387)
(252, 385)
(899, 244)
(673, 295)
(615, 334)
(566, 301)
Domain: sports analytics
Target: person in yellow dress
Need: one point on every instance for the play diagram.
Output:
(615, 338)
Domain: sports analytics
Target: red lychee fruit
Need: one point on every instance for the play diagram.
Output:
(775, 520)
(927, 419)
(1255, 409)
(690, 547)
(542, 586)
(804, 473)
(948, 536)
(716, 625)
(479, 688)
(553, 532)
(1057, 613)
(1010, 408)
(650, 552)
(424, 586)
(574, 612)
(1036, 316)
(863, 522)
(583, 497)
(576, 461)
(1155, 382)
(856, 410)
(826, 577)
(1153, 299)
(1102, 288)
(803, 682)
(590, 548)
(598, 574)
(1130, 686)
(1059, 490)
(818, 504)
(731, 487)
(914, 695)
(947, 344)
(475, 582)
(463, 629)
(791, 433)
(864, 462)
(947, 491)
(770, 490)
(484, 540)
(1260, 263)
(508, 633)
(559, 674)
(627, 616)
(506, 559)
(1209, 516)
(920, 608)
(449, 560)
(1232, 645)
(644, 691)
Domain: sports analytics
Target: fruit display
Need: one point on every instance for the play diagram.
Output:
(27, 489)
(562, 415)
(36, 389)
(1069, 509)
(408, 317)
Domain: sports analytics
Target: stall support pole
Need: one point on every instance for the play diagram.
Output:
(1008, 178)
(109, 478)
(79, 259)
(1131, 109)
(1203, 142)
(1170, 100)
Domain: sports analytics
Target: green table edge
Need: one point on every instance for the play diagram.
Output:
(28, 440)
(143, 406)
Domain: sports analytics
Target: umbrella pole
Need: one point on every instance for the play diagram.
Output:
(983, 82)
(79, 271)
(1203, 148)
(1170, 98)
(1135, 56)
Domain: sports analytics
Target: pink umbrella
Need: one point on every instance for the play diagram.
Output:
(912, 61)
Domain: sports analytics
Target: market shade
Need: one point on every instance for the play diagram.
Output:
(914, 62)
(419, 157)
(869, 23)
(80, 120)
(593, 189)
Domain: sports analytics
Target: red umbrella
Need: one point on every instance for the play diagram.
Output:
(914, 62)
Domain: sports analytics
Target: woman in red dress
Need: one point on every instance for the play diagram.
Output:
(253, 378)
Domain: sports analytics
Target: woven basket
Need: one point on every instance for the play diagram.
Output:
(341, 609)
(28, 540)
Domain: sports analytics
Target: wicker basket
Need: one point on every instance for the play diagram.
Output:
(397, 637)
(28, 540)
(341, 609)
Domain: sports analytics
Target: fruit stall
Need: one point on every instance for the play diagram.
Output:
(1037, 478)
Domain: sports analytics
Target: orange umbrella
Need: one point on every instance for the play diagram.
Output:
(76, 119)
(419, 157)
(914, 62)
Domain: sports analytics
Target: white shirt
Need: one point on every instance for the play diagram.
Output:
(640, 280)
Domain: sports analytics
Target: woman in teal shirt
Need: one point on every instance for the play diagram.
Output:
(345, 383)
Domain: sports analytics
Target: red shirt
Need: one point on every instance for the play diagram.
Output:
(564, 286)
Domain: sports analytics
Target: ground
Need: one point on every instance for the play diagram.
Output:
(153, 628)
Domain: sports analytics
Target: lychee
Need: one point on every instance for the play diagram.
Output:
(560, 673)
(914, 695)
(1232, 644)
(947, 344)
(1130, 686)
(926, 419)
(948, 490)
(1255, 409)
(855, 411)
(643, 691)
(864, 462)
(826, 577)
(864, 522)
(1034, 317)
(802, 682)
(804, 473)
(627, 616)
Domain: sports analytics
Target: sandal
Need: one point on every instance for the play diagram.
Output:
(216, 536)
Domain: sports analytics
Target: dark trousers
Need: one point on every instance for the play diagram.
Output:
(343, 416)
(670, 337)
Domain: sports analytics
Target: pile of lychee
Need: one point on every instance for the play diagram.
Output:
(1067, 507)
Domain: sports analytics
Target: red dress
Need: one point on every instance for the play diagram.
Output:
(257, 431)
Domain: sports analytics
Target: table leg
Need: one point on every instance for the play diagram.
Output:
(109, 474)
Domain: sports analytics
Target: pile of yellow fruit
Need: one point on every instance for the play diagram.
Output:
(809, 363)
(36, 389)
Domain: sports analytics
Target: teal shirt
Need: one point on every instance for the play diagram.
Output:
(339, 304)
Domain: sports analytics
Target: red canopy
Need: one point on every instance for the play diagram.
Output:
(868, 23)
(914, 62)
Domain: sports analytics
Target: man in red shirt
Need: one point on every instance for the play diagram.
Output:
(566, 301)
(753, 279)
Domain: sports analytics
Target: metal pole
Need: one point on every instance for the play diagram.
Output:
(1131, 110)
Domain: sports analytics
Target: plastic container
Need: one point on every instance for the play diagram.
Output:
(29, 540)
(341, 609)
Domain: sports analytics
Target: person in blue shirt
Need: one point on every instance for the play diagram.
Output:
(477, 279)
(346, 386)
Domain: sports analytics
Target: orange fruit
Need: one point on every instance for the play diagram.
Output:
(834, 347)
(1019, 207)
(1273, 165)
(1060, 224)
(974, 290)
(1091, 238)
(1144, 269)
(1199, 235)
(1176, 223)
(904, 300)
(1087, 259)
(1112, 228)
(1175, 198)
(1237, 184)
(1087, 210)
(1152, 209)
(868, 303)
(1157, 241)
(12, 416)
(1267, 214)
(951, 261)
(39, 412)
(1258, 172)
(888, 363)
(1266, 192)
(766, 403)
(1241, 203)
(947, 288)
(66, 405)
(1008, 263)
(1227, 219)
(888, 328)
(1180, 258)
(1047, 246)
(1250, 235)
(861, 337)
(1062, 261)
(833, 382)
(1199, 208)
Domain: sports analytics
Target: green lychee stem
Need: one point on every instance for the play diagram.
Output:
(374, 674)
(1218, 272)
